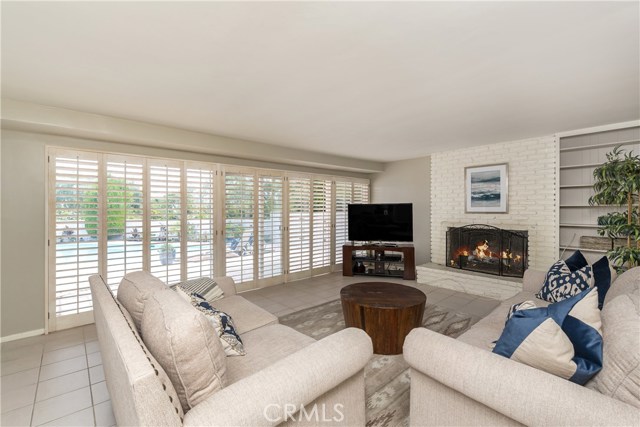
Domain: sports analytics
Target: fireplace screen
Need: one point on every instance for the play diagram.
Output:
(487, 249)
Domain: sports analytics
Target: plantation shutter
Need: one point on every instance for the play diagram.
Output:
(344, 196)
(124, 216)
(201, 228)
(360, 192)
(299, 227)
(239, 225)
(321, 232)
(270, 227)
(165, 212)
(74, 223)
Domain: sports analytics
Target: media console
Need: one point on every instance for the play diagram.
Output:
(379, 260)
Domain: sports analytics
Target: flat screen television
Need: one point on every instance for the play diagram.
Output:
(381, 222)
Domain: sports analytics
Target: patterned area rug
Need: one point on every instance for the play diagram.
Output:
(386, 377)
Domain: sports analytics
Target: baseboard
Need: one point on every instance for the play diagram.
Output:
(21, 335)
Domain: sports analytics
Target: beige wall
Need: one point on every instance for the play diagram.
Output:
(407, 181)
(23, 218)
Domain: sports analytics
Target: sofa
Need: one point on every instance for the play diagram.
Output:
(461, 382)
(284, 378)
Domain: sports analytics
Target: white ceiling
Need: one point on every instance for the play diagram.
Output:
(372, 80)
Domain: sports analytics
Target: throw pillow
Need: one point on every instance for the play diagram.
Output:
(524, 305)
(602, 278)
(204, 286)
(221, 321)
(562, 283)
(186, 345)
(134, 290)
(564, 339)
(576, 261)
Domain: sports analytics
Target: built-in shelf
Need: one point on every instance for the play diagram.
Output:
(577, 248)
(577, 186)
(580, 225)
(587, 206)
(605, 145)
(586, 165)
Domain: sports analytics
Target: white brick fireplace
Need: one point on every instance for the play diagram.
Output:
(533, 195)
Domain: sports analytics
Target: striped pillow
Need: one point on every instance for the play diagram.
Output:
(204, 286)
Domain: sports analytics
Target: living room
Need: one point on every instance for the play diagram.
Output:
(260, 158)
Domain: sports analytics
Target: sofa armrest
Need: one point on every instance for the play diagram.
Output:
(262, 399)
(533, 280)
(518, 391)
(227, 285)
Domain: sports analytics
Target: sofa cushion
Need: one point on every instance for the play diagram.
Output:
(221, 321)
(204, 286)
(246, 315)
(489, 328)
(186, 344)
(564, 339)
(626, 283)
(133, 291)
(562, 283)
(620, 375)
(264, 347)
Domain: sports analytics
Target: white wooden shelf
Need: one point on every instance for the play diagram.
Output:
(588, 206)
(605, 145)
(586, 165)
(577, 186)
(579, 225)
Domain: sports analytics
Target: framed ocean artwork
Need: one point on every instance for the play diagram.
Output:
(486, 188)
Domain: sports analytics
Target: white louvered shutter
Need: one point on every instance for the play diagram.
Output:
(124, 217)
(239, 225)
(201, 217)
(74, 227)
(344, 197)
(270, 227)
(321, 230)
(360, 192)
(165, 211)
(299, 227)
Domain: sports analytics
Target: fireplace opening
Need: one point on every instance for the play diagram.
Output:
(487, 249)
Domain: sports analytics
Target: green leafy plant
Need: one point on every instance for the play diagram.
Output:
(167, 248)
(617, 183)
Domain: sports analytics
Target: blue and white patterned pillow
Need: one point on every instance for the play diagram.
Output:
(564, 339)
(562, 283)
(221, 321)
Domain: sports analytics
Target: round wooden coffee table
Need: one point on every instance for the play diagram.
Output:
(387, 312)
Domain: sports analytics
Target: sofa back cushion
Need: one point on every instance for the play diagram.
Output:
(133, 291)
(186, 345)
(620, 375)
(141, 392)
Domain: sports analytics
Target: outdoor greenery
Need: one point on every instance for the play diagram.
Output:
(617, 182)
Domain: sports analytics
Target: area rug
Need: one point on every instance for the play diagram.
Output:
(387, 379)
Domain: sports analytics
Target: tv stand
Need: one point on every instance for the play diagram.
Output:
(379, 260)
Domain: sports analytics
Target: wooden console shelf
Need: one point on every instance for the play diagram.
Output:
(379, 260)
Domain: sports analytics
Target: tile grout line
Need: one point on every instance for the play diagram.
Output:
(35, 395)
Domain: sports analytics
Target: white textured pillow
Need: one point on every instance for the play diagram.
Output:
(133, 291)
(186, 345)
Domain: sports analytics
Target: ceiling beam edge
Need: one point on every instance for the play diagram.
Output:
(30, 117)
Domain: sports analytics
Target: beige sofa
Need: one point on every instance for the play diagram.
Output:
(283, 371)
(460, 382)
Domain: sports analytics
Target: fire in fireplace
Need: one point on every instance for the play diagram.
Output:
(487, 249)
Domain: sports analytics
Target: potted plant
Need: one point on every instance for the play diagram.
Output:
(617, 183)
(167, 254)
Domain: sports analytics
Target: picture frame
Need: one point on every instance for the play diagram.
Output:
(487, 188)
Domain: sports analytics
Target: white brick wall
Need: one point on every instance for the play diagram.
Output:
(533, 195)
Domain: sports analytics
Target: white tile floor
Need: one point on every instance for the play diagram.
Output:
(58, 379)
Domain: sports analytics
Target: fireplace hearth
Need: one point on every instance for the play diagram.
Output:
(487, 249)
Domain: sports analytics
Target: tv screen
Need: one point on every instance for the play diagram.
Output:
(383, 222)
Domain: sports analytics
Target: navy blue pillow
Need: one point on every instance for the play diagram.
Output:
(602, 278)
(576, 261)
